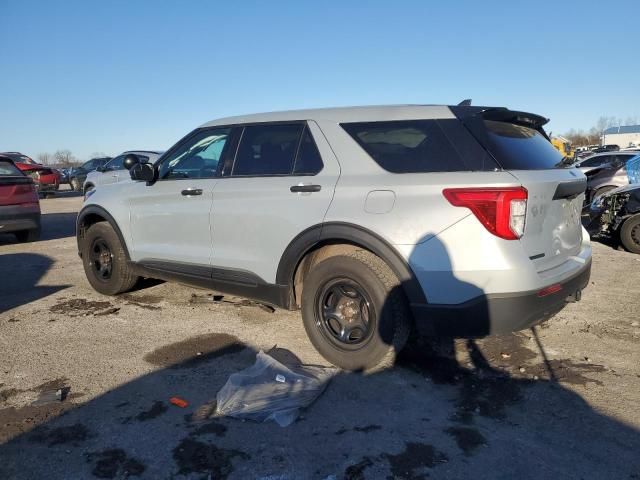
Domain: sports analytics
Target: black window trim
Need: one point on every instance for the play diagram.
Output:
(222, 170)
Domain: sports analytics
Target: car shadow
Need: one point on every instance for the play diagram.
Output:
(450, 408)
(53, 226)
(21, 273)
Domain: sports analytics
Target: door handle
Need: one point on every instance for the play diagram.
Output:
(305, 188)
(189, 192)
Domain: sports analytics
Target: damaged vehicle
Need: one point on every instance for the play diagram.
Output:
(616, 215)
(608, 176)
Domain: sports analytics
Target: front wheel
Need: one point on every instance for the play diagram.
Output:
(354, 311)
(105, 262)
(630, 234)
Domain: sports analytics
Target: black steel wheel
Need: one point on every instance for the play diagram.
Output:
(101, 260)
(354, 311)
(105, 261)
(344, 313)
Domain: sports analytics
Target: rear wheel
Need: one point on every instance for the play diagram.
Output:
(26, 236)
(354, 311)
(105, 262)
(630, 234)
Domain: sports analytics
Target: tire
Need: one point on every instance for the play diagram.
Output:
(75, 185)
(105, 262)
(630, 234)
(385, 319)
(28, 236)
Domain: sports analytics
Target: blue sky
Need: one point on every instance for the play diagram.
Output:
(109, 76)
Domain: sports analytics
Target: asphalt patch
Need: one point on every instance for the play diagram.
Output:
(468, 439)
(15, 421)
(356, 472)
(114, 463)
(192, 351)
(192, 456)
(61, 435)
(414, 461)
(567, 371)
(80, 307)
(211, 428)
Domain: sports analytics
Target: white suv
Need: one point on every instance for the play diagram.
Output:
(113, 171)
(371, 220)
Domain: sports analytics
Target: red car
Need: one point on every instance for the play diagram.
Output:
(19, 203)
(46, 179)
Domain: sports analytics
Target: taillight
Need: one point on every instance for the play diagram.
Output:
(501, 210)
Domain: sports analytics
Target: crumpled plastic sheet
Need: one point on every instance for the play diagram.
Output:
(271, 390)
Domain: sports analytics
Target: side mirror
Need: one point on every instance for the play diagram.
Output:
(130, 160)
(101, 169)
(145, 172)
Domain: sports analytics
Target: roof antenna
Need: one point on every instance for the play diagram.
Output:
(465, 103)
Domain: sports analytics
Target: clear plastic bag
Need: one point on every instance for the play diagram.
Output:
(271, 390)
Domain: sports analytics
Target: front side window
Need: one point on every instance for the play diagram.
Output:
(198, 157)
(267, 150)
(115, 164)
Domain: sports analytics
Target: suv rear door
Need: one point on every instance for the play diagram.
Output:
(280, 183)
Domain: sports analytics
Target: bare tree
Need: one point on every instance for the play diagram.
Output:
(44, 158)
(64, 158)
(98, 155)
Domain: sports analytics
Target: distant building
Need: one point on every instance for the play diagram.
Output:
(624, 136)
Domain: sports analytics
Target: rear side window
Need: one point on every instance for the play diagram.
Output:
(8, 169)
(411, 146)
(520, 148)
(267, 150)
(595, 161)
(308, 161)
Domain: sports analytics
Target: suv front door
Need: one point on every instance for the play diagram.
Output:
(170, 219)
(281, 183)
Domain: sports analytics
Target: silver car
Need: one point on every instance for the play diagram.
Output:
(113, 171)
(373, 221)
(600, 159)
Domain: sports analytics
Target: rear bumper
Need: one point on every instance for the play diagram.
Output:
(14, 218)
(498, 313)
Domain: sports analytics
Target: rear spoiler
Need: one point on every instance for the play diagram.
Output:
(525, 119)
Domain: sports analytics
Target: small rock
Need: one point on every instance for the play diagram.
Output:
(633, 324)
(522, 369)
(505, 355)
(587, 359)
(535, 377)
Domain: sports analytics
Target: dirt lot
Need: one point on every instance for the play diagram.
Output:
(561, 401)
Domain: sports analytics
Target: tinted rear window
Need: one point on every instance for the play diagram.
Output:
(520, 148)
(418, 146)
(8, 169)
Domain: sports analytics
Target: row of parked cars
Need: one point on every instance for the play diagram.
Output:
(612, 202)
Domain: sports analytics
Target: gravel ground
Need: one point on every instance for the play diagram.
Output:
(560, 401)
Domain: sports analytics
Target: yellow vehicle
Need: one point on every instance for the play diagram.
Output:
(563, 146)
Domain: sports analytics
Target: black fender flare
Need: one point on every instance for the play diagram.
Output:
(101, 212)
(354, 234)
